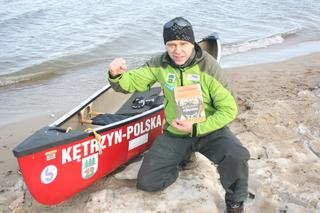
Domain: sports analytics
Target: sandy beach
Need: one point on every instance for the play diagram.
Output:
(279, 122)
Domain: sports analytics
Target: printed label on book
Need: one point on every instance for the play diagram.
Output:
(189, 103)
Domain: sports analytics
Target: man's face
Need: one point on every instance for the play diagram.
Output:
(179, 51)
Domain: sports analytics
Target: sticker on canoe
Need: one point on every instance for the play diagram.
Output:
(51, 155)
(48, 174)
(89, 166)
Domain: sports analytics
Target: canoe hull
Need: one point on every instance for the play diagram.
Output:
(59, 172)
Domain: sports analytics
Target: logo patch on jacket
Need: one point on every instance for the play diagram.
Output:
(193, 77)
(169, 87)
(171, 78)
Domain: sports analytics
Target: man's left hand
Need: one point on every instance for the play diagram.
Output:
(183, 126)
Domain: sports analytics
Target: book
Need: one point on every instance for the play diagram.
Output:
(189, 103)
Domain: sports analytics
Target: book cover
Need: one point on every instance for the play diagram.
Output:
(189, 103)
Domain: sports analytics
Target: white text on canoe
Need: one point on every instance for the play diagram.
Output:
(80, 150)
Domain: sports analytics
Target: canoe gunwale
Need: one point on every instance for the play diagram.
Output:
(81, 106)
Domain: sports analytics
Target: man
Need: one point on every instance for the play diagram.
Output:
(184, 64)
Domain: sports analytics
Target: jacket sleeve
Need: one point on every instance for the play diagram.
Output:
(225, 110)
(212, 66)
(139, 79)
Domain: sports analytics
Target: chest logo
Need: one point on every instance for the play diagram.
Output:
(193, 77)
(171, 88)
(171, 78)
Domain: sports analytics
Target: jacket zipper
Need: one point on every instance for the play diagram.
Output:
(181, 75)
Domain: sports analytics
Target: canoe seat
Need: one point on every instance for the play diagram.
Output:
(105, 119)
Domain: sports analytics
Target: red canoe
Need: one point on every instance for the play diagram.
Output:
(88, 143)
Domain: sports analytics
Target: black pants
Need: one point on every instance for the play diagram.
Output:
(159, 168)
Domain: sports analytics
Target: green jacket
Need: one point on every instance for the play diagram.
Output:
(220, 105)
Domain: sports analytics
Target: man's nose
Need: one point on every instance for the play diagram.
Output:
(178, 49)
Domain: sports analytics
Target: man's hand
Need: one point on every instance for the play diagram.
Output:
(183, 126)
(117, 67)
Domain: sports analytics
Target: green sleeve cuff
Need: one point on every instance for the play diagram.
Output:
(114, 79)
(194, 130)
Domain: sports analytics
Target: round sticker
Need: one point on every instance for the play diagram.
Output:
(48, 174)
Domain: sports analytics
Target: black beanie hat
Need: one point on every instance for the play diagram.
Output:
(178, 29)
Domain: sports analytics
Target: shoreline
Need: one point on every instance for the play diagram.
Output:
(274, 53)
(272, 97)
(271, 54)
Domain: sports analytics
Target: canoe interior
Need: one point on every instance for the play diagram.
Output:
(108, 102)
(212, 45)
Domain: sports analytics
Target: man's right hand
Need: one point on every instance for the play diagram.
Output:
(117, 67)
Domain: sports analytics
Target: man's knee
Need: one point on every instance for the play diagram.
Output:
(159, 168)
(155, 182)
(156, 172)
(146, 184)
